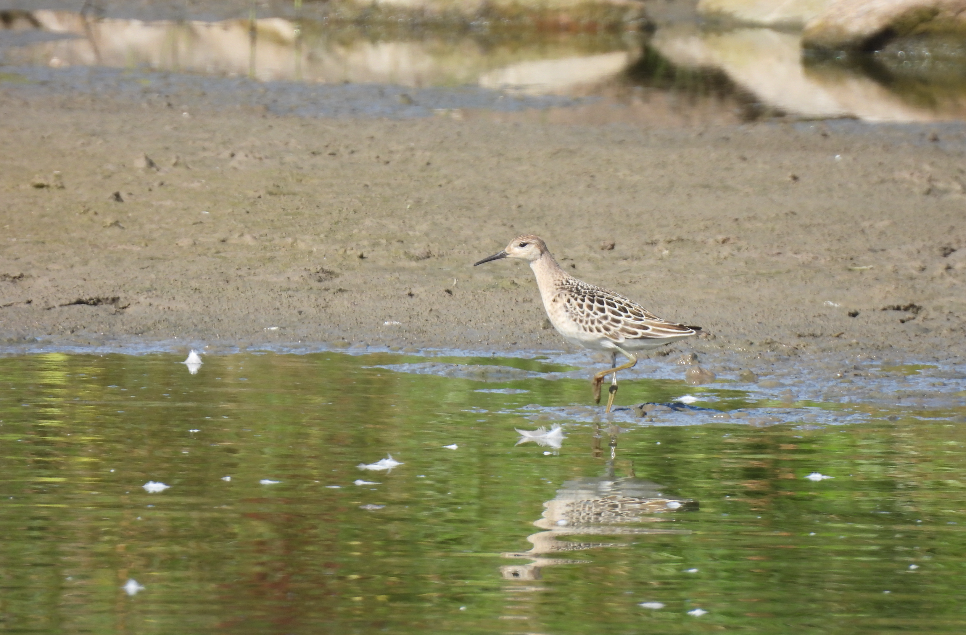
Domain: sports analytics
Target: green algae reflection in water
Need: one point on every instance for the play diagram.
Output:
(695, 529)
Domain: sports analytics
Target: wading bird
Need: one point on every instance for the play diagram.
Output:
(590, 316)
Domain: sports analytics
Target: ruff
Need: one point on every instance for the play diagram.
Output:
(590, 316)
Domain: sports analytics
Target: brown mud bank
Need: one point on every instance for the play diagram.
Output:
(125, 222)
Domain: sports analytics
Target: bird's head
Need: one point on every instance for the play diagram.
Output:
(527, 247)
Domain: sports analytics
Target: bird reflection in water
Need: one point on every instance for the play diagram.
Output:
(605, 505)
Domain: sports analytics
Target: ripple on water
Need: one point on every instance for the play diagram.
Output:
(715, 499)
(464, 371)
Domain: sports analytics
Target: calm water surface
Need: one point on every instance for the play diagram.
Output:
(684, 73)
(677, 528)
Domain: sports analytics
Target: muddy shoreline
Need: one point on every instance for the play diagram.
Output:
(150, 222)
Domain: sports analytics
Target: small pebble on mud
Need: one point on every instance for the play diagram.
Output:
(646, 409)
(144, 162)
(747, 376)
(698, 375)
(54, 182)
(687, 359)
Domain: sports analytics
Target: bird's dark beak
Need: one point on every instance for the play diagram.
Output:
(498, 256)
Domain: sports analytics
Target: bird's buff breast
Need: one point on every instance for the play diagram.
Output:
(569, 329)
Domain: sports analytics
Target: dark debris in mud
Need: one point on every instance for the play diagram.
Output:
(113, 301)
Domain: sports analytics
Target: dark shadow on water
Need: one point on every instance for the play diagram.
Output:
(655, 71)
(927, 73)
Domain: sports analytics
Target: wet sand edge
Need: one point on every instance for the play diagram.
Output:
(132, 222)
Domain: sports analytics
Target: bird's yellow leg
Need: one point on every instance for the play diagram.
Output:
(599, 377)
(613, 391)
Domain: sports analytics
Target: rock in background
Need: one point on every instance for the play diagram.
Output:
(866, 25)
(790, 13)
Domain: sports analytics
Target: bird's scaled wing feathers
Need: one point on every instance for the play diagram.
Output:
(610, 314)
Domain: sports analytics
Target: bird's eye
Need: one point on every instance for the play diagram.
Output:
(523, 244)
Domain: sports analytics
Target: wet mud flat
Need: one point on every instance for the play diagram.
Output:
(172, 217)
(720, 388)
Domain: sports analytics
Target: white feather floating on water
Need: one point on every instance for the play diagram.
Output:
(817, 476)
(359, 481)
(552, 438)
(382, 464)
(153, 488)
(451, 447)
(131, 587)
(193, 362)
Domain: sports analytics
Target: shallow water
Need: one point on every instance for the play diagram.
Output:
(682, 74)
(776, 520)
